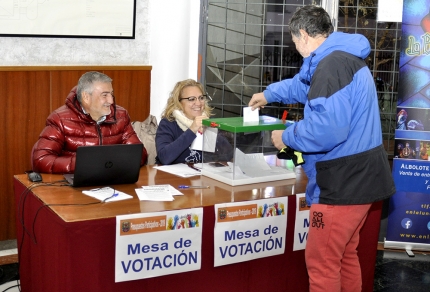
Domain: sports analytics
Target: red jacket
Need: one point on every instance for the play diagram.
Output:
(68, 127)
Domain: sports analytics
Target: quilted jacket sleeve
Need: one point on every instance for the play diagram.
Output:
(47, 155)
(67, 128)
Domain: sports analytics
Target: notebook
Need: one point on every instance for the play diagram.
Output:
(106, 165)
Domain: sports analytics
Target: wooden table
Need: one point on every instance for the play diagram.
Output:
(67, 244)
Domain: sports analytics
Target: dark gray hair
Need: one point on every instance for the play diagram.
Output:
(85, 83)
(313, 20)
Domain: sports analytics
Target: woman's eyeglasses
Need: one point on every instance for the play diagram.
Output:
(193, 99)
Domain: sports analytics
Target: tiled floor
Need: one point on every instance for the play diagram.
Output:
(9, 277)
(394, 272)
(8, 266)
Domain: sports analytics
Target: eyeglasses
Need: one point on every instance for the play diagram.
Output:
(193, 99)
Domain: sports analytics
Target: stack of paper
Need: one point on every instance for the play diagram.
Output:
(157, 193)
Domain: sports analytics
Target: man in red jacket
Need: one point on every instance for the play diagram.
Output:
(89, 117)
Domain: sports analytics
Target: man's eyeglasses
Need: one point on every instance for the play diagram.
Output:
(193, 99)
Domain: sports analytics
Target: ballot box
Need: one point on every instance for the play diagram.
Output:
(238, 153)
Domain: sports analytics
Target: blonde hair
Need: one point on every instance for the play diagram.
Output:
(173, 103)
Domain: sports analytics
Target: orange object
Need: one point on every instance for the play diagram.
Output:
(284, 115)
(425, 23)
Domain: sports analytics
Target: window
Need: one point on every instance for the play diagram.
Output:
(359, 16)
(248, 46)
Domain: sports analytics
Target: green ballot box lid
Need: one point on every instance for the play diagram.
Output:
(237, 125)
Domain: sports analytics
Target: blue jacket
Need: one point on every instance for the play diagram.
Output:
(340, 136)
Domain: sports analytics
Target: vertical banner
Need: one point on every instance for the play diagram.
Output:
(409, 210)
(301, 225)
(155, 244)
(249, 230)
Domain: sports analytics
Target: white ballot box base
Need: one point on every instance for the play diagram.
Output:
(226, 177)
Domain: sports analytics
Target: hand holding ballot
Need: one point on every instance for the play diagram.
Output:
(197, 126)
(257, 101)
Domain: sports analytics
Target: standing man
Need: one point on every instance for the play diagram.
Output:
(341, 141)
(89, 117)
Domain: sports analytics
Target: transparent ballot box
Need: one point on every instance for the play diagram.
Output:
(239, 153)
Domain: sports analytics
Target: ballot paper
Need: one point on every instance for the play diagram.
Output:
(173, 191)
(250, 117)
(209, 139)
(107, 194)
(252, 164)
(157, 193)
(198, 142)
(205, 141)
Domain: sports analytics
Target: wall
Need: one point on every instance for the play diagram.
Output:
(23, 51)
(174, 47)
(166, 38)
(30, 93)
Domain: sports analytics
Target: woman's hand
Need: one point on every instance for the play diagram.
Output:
(197, 126)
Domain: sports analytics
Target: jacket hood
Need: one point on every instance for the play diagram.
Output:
(355, 44)
(73, 103)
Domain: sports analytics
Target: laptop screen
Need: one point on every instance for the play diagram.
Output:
(106, 165)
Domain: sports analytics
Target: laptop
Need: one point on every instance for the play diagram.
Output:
(106, 165)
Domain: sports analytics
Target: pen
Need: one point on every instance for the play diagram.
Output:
(193, 187)
(193, 167)
(113, 196)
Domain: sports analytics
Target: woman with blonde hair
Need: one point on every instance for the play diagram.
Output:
(180, 123)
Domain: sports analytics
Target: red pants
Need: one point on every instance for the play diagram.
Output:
(331, 248)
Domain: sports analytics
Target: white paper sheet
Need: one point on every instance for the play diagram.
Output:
(250, 117)
(154, 193)
(252, 164)
(390, 11)
(198, 142)
(209, 139)
(206, 141)
(179, 169)
(107, 194)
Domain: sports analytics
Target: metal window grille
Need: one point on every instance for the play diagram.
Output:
(248, 46)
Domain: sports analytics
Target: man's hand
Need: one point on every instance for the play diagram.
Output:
(258, 100)
(277, 139)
